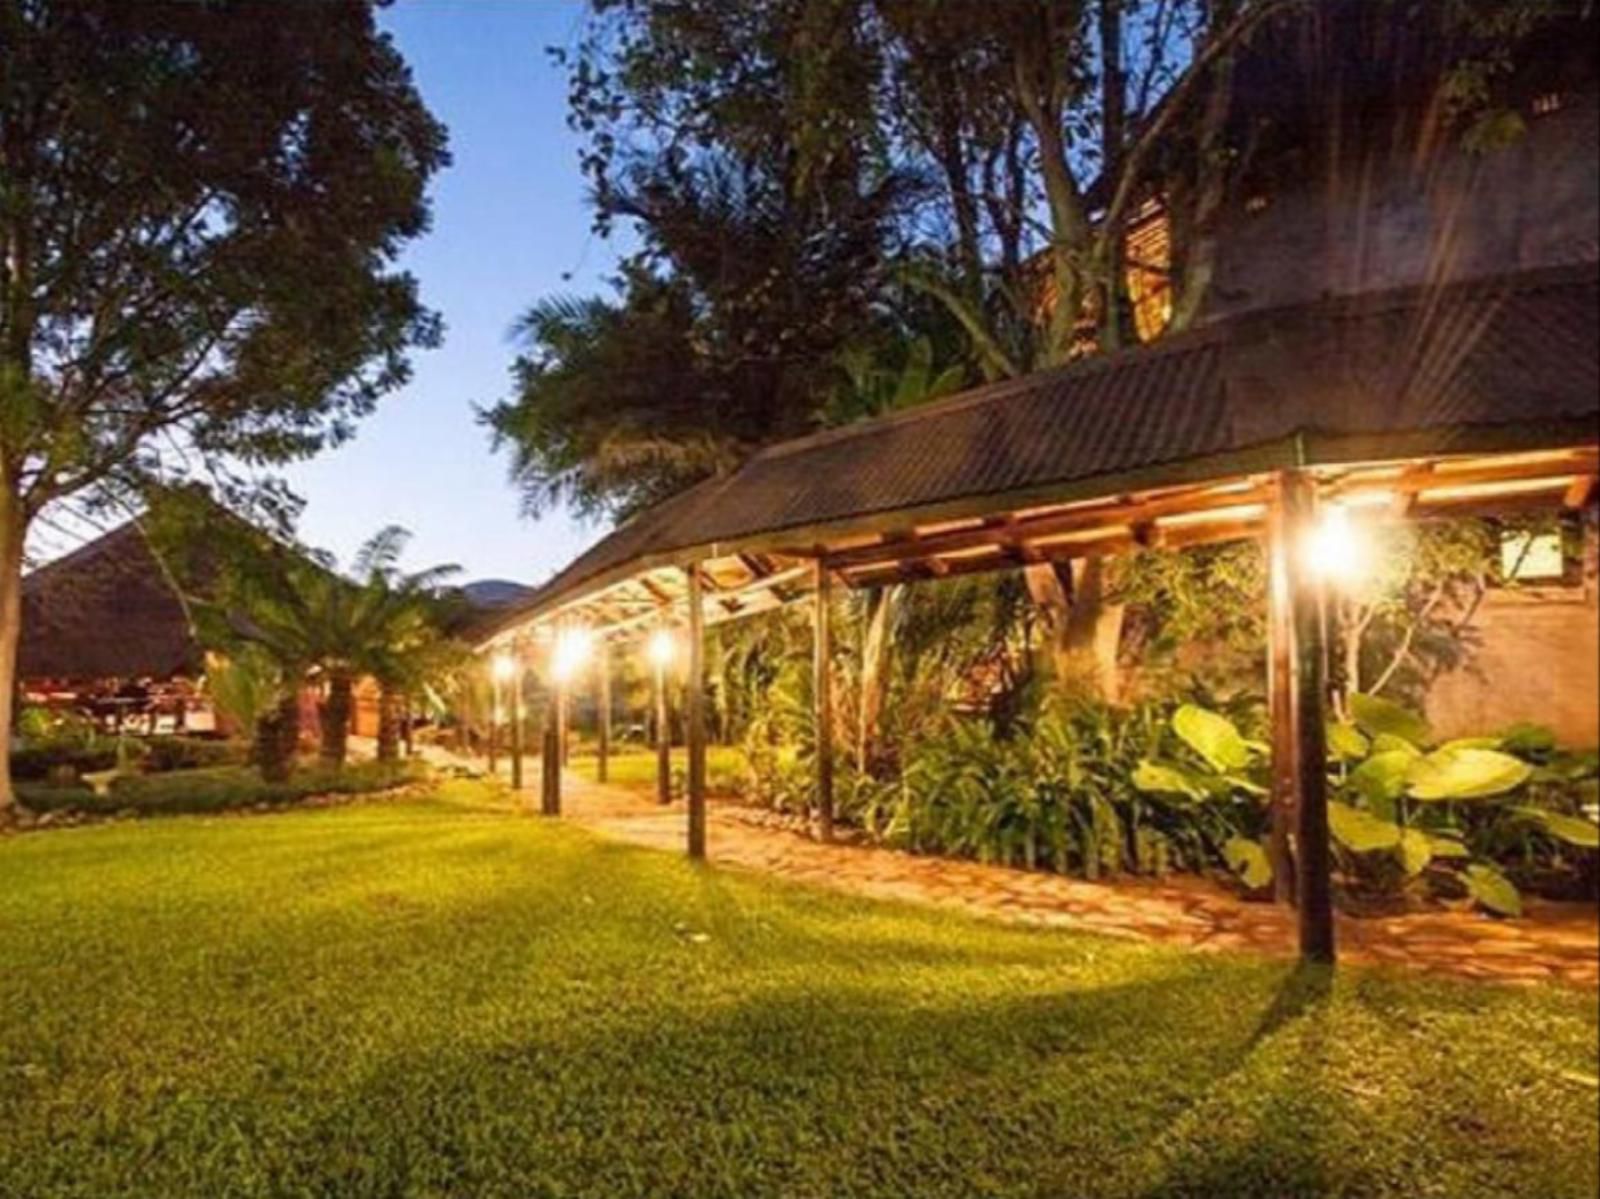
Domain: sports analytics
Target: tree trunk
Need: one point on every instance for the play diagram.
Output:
(335, 718)
(389, 707)
(1084, 630)
(277, 739)
(13, 534)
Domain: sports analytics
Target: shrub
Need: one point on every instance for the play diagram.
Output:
(1408, 815)
(217, 789)
(190, 753)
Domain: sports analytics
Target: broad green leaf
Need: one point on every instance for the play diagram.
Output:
(1214, 737)
(1345, 742)
(1161, 779)
(1492, 889)
(1382, 777)
(1248, 859)
(1465, 774)
(1525, 738)
(1375, 715)
(1360, 832)
(1415, 851)
(1470, 743)
(1388, 743)
(1574, 830)
(1447, 847)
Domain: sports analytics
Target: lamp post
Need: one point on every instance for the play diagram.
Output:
(662, 650)
(501, 669)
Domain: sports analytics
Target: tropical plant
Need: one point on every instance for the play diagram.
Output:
(251, 688)
(1404, 811)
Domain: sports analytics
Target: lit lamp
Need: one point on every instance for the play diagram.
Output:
(1336, 549)
(570, 652)
(662, 649)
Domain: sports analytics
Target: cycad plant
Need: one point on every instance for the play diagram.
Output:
(313, 621)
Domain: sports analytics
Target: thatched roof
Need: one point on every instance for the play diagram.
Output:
(1496, 364)
(106, 610)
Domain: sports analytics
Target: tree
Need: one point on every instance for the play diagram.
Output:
(200, 208)
(316, 623)
(740, 143)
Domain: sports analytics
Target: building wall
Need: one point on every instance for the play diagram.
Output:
(1383, 221)
(1539, 661)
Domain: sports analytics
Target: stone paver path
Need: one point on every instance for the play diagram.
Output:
(1554, 943)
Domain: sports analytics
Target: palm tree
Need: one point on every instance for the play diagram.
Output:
(316, 622)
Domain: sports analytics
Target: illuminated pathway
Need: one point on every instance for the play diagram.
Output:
(1560, 943)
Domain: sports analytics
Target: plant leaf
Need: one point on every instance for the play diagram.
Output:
(1382, 777)
(1161, 779)
(1375, 716)
(1388, 743)
(1525, 738)
(1492, 889)
(1465, 773)
(1574, 830)
(1345, 742)
(1248, 859)
(1213, 736)
(1415, 850)
(1447, 847)
(1361, 832)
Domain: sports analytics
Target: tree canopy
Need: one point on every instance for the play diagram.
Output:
(200, 210)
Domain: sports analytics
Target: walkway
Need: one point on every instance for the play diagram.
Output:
(1559, 943)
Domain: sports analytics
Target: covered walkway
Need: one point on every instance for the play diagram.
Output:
(1475, 398)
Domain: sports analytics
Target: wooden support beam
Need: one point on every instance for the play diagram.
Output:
(1280, 707)
(494, 719)
(1302, 746)
(602, 769)
(1579, 492)
(822, 692)
(663, 735)
(1120, 512)
(696, 713)
(518, 667)
(550, 752)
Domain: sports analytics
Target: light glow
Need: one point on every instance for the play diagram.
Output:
(570, 653)
(502, 667)
(1336, 548)
(663, 648)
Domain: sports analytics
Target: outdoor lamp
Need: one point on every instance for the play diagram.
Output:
(662, 649)
(571, 649)
(502, 667)
(1335, 549)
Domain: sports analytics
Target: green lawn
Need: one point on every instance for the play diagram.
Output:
(439, 998)
(634, 767)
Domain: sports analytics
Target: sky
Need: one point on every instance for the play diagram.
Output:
(510, 225)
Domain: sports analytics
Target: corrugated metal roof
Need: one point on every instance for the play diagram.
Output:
(1503, 362)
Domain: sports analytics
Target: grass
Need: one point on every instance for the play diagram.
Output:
(212, 789)
(438, 998)
(634, 767)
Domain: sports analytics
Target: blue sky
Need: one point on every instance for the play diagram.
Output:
(509, 222)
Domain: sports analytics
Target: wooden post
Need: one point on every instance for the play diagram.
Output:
(1280, 706)
(822, 693)
(696, 714)
(494, 717)
(603, 734)
(550, 752)
(562, 713)
(1299, 735)
(663, 737)
(516, 718)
